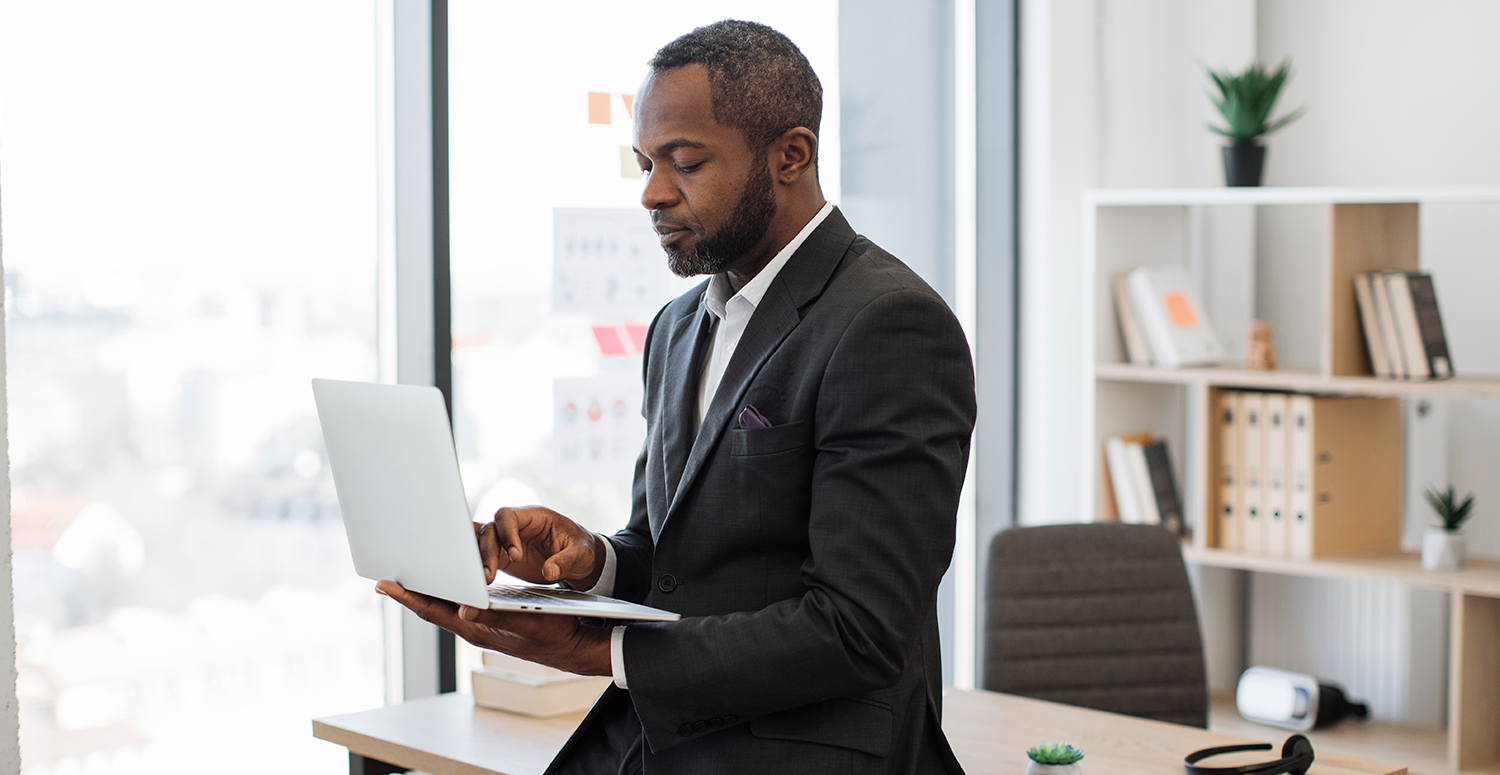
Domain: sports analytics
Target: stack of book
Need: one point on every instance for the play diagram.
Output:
(1403, 331)
(515, 685)
(1307, 476)
(1141, 481)
(1161, 319)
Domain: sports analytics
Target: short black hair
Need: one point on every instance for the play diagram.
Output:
(758, 80)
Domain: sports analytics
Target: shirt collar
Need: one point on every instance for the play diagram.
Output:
(718, 295)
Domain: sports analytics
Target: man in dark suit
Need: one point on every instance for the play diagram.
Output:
(808, 411)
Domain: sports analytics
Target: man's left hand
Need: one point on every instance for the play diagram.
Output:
(554, 640)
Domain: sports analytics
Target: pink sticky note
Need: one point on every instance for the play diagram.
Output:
(637, 333)
(609, 341)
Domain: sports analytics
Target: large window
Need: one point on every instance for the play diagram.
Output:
(189, 234)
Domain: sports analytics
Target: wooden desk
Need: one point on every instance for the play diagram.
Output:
(990, 733)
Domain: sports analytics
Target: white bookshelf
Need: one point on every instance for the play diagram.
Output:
(1211, 232)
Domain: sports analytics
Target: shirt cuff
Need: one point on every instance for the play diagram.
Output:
(617, 656)
(606, 585)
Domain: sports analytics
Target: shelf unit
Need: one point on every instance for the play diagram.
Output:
(1368, 228)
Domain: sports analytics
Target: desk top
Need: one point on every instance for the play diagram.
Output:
(990, 732)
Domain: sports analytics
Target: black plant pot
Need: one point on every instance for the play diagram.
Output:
(1243, 163)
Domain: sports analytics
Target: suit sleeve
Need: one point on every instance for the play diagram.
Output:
(894, 416)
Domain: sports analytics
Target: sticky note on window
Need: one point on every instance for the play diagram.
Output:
(629, 103)
(609, 341)
(1180, 310)
(598, 107)
(629, 167)
(637, 333)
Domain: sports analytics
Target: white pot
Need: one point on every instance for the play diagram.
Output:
(1036, 768)
(1442, 550)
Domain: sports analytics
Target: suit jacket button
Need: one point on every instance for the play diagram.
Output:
(731, 719)
(699, 726)
(716, 722)
(667, 582)
(685, 730)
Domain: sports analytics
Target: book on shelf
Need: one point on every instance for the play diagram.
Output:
(1329, 465)
(1170, 317)
(1121, 480)
(1369, 321)
(1141, 482)
(1136, 350)
(1165, 496)
(1402, 326)
(1405, 314)
(1430, 325)
(1386, 321)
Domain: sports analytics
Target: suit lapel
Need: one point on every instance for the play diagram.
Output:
(687, 349)
(800, 281)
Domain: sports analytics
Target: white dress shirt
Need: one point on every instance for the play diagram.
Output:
(732, 314)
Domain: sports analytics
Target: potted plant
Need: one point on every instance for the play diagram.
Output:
(1245, 100)
(1443, 547)
(1054, 759)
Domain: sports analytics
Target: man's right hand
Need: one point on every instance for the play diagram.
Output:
(537, 544)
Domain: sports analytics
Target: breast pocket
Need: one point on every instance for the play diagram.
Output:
(768, 441)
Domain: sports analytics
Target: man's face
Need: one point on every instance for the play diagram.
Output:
(711, 197)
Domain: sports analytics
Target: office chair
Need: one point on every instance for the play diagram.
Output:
(1097, 615)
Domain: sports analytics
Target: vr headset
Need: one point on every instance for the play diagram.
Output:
(1292, 701)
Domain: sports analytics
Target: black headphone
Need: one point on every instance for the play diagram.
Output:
(1296, 757)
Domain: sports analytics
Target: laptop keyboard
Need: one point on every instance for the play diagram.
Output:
(553, 596)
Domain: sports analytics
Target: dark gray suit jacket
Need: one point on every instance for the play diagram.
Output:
(804, 557)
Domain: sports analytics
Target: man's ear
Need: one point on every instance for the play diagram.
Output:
(794, 154)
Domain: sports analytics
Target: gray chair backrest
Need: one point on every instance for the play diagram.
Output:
(1097, 615)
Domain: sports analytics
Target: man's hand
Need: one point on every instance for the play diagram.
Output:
(554, 640)
(537, 544)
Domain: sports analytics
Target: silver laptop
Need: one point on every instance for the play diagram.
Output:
(396, 472)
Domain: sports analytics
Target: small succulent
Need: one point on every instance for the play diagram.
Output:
(1245, 100)
(1448, 509)
(1054, 753)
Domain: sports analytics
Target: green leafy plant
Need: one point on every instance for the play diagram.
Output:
(1054, 753)
(1448, 509)
(1246, 99)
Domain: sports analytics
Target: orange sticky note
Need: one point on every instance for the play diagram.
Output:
(598, 107)
(629, 103)
(1180, 310)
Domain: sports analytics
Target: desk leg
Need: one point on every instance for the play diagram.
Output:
(364, 765)
(1474, 683)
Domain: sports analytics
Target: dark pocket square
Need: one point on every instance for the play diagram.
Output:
(751, 419)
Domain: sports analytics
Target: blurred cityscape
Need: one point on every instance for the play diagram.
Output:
(179, 561)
